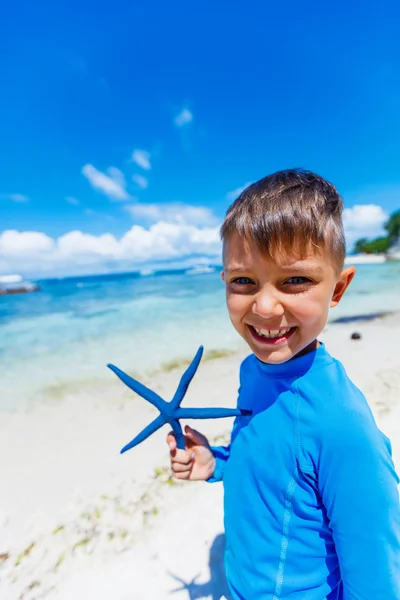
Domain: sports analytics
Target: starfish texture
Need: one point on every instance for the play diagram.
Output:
(171, 412)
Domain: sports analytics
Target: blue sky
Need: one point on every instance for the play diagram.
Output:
(148, 116)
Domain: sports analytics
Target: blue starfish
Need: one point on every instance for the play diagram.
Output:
(171, 412)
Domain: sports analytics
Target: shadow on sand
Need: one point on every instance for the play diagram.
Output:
(214, 589)
(357, 318)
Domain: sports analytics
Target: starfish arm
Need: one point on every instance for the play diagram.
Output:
(139, 388)
(186, 379)
(209, 413)
(147, 431)
(177, 429)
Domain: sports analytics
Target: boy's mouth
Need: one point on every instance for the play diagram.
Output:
(271, 336)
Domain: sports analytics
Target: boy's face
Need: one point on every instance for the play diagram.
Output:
(279, 306)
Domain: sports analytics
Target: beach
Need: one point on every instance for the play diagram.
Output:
(79, 520)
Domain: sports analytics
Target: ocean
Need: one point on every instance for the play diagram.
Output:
(62, 337)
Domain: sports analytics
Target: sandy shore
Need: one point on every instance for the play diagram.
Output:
(78, 521)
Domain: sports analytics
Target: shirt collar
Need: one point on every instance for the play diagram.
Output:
(298, 365)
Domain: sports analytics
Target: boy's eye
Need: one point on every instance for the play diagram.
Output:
(242, 280)
(297, 280)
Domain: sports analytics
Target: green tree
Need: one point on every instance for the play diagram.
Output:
(393, 226)
(381, 244)
(378, 245)
(359, 245)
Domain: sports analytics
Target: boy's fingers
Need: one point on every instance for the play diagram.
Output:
(171, 441)
(182, 457)
(192, 438)
(195, 437)
(185, 475)
(181, 468)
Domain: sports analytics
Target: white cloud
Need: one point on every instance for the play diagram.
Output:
(35, 254)
(231, 196)
(72, 200)
(112, 185)
(363, 221)
(173, 212)
(15, 243)
(364, 217)
(176, 232)
(76, 243)
(117, 175)
(169, 240)
(14, 197)
(146, 212)
(140, 181)
(142, 158)
(183, 118)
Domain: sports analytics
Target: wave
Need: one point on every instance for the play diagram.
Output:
(200, 270)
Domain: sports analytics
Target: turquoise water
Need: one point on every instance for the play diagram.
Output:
(72, 328)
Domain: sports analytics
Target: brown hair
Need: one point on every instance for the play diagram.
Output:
(289, 211)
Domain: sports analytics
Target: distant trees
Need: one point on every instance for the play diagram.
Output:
(393, 226)
(375, 246)
(381, 244)
(360, 245)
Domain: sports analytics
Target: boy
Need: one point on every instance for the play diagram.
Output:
(311, 501)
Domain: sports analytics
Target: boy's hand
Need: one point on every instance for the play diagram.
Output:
(195, 463)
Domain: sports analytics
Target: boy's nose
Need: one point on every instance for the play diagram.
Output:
(266, 304)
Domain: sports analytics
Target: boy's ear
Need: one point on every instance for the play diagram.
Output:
(342, 284)
(223, 275)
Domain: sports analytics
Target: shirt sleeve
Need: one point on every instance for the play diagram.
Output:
(221, 453)
(359, 490)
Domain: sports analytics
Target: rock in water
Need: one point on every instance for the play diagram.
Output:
(355, 336)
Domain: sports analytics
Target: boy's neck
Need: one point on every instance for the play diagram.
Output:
(313, 346)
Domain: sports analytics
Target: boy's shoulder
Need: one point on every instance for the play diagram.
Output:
(330, 389)
(329, 412)
(334, 418)
(334, 412)
(326, 396)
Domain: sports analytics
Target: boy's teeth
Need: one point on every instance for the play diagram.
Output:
(272, 333)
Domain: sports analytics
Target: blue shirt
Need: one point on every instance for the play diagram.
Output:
(311, 499)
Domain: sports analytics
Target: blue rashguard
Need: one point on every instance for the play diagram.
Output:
(311, 500)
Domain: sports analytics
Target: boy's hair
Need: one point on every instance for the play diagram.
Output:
(289, 211)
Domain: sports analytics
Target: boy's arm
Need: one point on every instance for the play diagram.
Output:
(221, 454)
(359, 491)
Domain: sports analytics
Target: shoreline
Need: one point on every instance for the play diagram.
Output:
(61, 389)
(75, 514)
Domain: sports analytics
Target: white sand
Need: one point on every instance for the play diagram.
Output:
(79, 521)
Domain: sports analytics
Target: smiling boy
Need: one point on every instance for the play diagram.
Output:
(311, 501)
